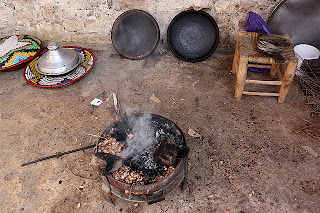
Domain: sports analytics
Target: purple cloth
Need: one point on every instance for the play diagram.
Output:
(254, 22)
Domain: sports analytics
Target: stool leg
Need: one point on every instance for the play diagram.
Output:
(274, 69)
(235, 62)
(236, 58)
(288, 76)
(241, 77)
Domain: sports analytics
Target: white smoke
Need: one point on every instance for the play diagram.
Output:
(143, 136)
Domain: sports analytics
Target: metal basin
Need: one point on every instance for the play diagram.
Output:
(193, 35)
(135, 34)
(57, 61)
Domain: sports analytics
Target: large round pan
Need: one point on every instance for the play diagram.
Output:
(299, 18)
(135, 34)
(193, 35)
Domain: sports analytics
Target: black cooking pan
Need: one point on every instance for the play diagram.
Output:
(135, 34)
(298, 18)
(193, 35)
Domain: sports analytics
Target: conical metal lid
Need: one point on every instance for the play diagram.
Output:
(57, 61)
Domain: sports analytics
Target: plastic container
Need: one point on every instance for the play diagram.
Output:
(305, 52)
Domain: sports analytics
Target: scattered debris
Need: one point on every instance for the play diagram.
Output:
(93, 135)
(79, 175)
(194, 83)
(96, 102)
(311, 151)
(251, 193)
(193, 133)
(103, 96)
(115, 102)
(154, 98)
(312, 130)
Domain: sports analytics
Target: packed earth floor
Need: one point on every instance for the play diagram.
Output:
(250, 155)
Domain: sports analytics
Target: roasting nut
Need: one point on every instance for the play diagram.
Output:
(110, 146)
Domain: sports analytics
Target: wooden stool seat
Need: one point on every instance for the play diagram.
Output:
(248, 55)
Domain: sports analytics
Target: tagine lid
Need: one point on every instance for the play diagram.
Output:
(57, 61)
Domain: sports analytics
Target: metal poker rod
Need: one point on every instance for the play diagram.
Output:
(58, 155)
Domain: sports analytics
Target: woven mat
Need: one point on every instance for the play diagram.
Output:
(17, 49)
(34, 78)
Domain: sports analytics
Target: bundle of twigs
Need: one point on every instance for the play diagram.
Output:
(311, 130)
(310, 82)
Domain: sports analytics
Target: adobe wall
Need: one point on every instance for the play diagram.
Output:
(92, 20)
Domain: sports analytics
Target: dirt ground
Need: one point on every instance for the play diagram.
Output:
(249, 157)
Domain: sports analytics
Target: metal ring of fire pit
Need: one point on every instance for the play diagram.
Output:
(156, 191)
(150, 193)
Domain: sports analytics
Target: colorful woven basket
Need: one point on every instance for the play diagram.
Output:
(34, 78)
(16, 50)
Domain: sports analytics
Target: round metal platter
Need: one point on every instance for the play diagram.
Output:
(193, 35)
(300, 19)
(135, 34)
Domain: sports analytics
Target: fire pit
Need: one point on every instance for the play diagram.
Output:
(146, 157)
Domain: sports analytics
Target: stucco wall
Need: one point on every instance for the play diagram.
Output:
(91, 20)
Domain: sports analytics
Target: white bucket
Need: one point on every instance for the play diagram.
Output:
(305, 52)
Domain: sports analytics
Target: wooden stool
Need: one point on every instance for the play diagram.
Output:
(247, 51)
